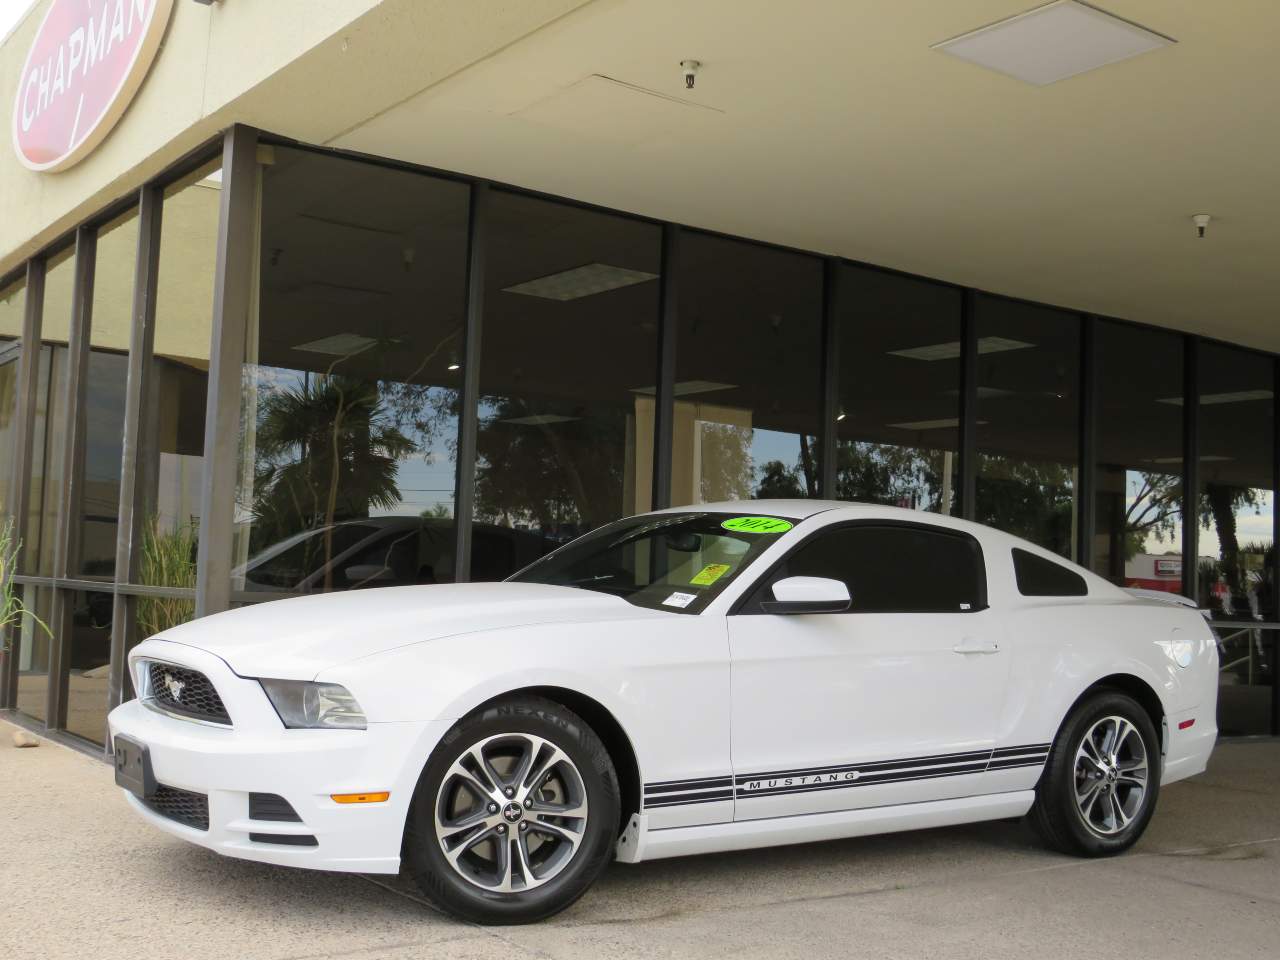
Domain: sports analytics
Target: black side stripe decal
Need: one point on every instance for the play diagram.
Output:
(671, 793)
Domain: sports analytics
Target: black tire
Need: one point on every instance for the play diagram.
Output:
(1057, 815)
(445, 886)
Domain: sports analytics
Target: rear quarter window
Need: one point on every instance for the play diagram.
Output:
(1038, 577)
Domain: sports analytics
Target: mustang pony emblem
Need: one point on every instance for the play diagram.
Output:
(174, 685)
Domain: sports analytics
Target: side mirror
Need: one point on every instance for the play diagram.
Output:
(808, 595)
(368, 574)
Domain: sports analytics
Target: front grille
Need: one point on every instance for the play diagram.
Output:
(183, 806)
(186, 692)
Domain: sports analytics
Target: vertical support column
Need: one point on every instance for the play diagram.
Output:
(24, 428)
(137, 400)
(1274, 613)
(465, 497)
(664, 396)
(1190, 464)
(66, 552)
(1086, 494)
(829, 437)
(232, 296)
(968, 405)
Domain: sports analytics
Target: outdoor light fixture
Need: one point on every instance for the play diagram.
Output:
(584, 281)
(841, 415)
(1053, 42)
(453, 362)
(1201, 220)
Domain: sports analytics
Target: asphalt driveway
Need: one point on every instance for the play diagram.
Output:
(81, 876)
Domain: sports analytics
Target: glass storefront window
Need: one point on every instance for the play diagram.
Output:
(12, 302)
(32, 644)
(104, 394)
(1138, 484)
(349, 399)
(1028, 421)
(567, 366)
(49, 443)
(1236, 564)
(89, 653)
(171, 471)
(748, 404)
(897, 422)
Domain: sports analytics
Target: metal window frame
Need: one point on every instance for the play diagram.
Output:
(464, 496)
(233, 274)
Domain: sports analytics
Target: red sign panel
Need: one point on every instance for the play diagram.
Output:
(85, 64)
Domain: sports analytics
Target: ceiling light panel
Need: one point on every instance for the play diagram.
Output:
(684, 388)
(1212, 399)
(950, 351)
(584, 281)
(1053, 42)
(339, 345)
(539, 419)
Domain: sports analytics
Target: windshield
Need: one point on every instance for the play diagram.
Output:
(669, 561)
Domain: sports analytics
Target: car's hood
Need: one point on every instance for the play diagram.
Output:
(297, 638)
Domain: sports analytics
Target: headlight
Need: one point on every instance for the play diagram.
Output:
(302, 703)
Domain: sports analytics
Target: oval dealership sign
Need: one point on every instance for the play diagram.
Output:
(85, 64)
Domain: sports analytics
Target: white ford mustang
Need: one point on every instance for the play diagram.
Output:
(701, 679)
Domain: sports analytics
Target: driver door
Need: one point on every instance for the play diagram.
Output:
(893, 701)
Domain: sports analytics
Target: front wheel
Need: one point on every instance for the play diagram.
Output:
(515, 814)
(1099, 788)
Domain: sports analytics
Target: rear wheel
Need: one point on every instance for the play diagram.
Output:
(515, 814)
(1102, 780)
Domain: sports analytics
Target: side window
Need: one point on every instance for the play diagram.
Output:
(1038, 577)
(898, 568)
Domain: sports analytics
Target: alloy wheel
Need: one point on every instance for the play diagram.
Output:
(1111, 775)
(511, 812)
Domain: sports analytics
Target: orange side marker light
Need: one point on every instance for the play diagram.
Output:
(378, 797)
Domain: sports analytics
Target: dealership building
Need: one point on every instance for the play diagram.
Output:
(302, 296)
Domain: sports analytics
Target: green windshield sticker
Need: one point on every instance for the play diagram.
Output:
(710, 574)
(757, 525)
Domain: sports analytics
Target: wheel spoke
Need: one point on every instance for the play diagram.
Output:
(557, 831)
(1118, 818)
(521, 844)
(503, 854)
(575, 810)
(456, 853)
(1089, 752)
(545, 765)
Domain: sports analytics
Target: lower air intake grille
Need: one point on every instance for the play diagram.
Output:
(270, 806)
(183, 806)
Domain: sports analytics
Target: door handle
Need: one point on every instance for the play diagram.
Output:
(970, 645)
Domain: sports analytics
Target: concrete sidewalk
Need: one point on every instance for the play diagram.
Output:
(81, 876)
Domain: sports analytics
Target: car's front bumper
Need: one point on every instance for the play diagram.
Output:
(305, 767)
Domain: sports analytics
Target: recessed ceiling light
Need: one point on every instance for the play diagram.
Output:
(950, 351)
(1209, 399)
(540, 419)
(684, 388)
(1053, 42)
(339, 345)
(581, 282)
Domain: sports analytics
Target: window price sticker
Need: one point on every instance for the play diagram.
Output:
(710, 574)
(681, 600)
